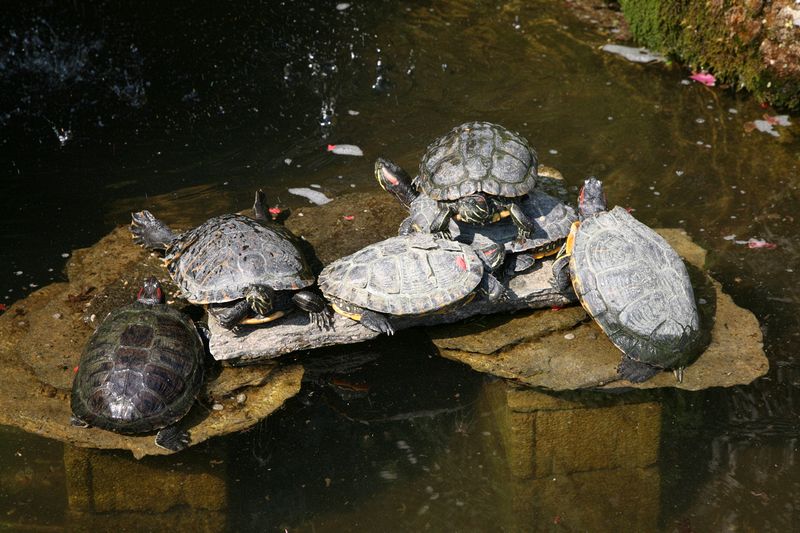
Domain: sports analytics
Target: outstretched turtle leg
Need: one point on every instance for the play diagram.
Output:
(492, 288)
(172, 438)
(150, 232)
(230, 317)
(523, 223)
(517, 263)
(318, 311)
(636, 371)
(376, 322)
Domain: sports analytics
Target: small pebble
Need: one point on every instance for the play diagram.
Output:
(569, 336)
(218, 407)
(58, 316)
(702, 301)
(241, 398)
(65, 255)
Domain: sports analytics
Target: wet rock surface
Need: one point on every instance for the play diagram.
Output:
(565, 350)
(42, 338)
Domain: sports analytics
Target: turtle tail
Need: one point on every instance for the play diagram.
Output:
(150, 232)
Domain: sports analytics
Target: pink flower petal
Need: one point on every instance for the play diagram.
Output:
(704, 77)
(758, 243)
(348, 217)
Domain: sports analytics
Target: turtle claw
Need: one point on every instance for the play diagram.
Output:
(678, 373)
(323, 320)
(444, 234)
(172, 439)
(377, 322)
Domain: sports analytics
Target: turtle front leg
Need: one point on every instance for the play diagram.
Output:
(150, 232)
(493, 289)
(172, 438)
(230, 317)
(376, 322)
(523, 223)
(440, 225)
(317, 308)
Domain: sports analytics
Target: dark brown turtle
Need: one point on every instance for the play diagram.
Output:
(239, 265)
(141, 371)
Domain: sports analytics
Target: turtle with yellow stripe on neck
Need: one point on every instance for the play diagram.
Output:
(551, 217)
(408, 275)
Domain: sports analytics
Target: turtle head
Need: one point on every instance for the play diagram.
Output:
(475, 209)
(151, 292)
(393, 179)
(592, 198)
(261, 299)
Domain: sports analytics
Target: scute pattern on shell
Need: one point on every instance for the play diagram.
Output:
(216, 261)
(140, 371)
(636, 287)
(404, 275)
(478, 157)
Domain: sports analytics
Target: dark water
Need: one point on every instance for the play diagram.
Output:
(111, 108)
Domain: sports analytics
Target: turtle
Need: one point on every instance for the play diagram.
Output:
(478, 172)
(237, 264)
(553, 220)
(141, 371)
(406, 275)
(633, 284)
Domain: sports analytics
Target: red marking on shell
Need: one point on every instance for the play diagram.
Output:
(348, 217)
(461, 263)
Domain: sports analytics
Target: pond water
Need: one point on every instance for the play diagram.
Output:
(111, 108)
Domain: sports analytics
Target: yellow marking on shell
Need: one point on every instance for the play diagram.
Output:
(262, 320)
(352, 316)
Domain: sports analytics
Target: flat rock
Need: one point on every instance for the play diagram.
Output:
(566, 350)
(43, 335)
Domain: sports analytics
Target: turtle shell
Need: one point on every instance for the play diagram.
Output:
(552, 221)
(478, 157)
(216, 261)
(636, 287)
(405, 275)
(140, 371)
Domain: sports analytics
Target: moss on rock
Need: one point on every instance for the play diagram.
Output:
(749, 44)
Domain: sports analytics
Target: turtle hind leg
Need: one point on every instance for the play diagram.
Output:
(561, 281)
(77, 422)
(635, 371)
(318, 311)
(376, 322)
(150, 232)
(172, 438)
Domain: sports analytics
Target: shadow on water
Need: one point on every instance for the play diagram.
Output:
(110, 108)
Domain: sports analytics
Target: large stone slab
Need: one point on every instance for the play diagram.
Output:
(566, 350)
(43, 335)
